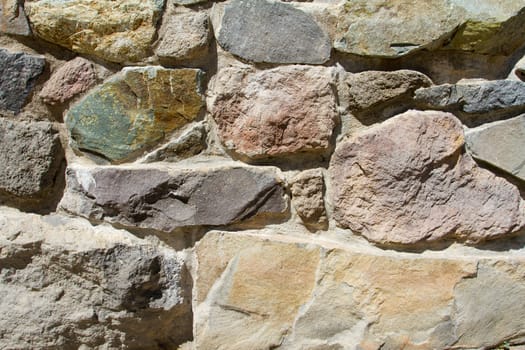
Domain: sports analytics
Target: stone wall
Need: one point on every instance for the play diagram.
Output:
(262, 174)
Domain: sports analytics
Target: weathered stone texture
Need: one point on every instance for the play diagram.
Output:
(134, 110)
(255, 293)
(65, 284)
(308, 190)
(74, 77)
(275, 112)
(31, 156)
(272, 32)
(13, 19)
(407, 181)
(18, 75)
(500, 144)
(164, 199)
(184, 35)
(101, 28)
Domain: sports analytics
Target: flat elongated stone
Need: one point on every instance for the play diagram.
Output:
(274, 112)
(500, 144)
(475, 97)
(73, 78)
(65, 284)
(164, 199)
(388, 28)
(134, 110)
(259, 292)
(407, 181)
(115, 31)
(272, 32)
(13, 19)
(31, 156)
(18, 75)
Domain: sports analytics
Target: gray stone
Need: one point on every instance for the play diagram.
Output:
(475, 97)
(184, 35)
(308, 190)
(65, 284)
(164, 199)
(18, 75)
(188, 2)
(272, 32)
(13, 19)
(407, 181)
(500, 144)
(32, 158)
(190, 143)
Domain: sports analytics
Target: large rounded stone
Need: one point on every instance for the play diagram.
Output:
(134, 110)
(408, 181)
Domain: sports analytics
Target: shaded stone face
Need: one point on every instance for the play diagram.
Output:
(307, 196)
(255, 293)
(101, 28)
(73, 78)
(276, 112)
(13, 19)
(31, 156)
(500, 144)
(134, 110)
(163, 199)
(18, 75)
(272, 32)
(407, 181)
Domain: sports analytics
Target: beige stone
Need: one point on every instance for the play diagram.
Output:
(308, 190)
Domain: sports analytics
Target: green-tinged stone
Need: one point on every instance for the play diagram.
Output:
(472, 34)
(134, 110)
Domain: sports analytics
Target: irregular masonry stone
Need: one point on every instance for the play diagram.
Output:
(407, 181)
(373, 90)
(184, 35)
(102, 28)
(13, 19)
(272, 32)
(32, 157)
(256, 291)
(164, 199)
(308, 190)
(74, 77)
(275, 112)
(518, 71)
(65, 284)
(475, 96)
(190, 143)
(18, 75)
(500, 144)
(134, 110)
(388, 28)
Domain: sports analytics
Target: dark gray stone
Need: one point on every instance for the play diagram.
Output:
(164, 199)
(18, 74)
(32, 157)
(500, 144)
(272, 32)
(498, 97)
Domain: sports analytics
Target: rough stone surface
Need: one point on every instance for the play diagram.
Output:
(74, 77)
(190, 143)
(101, 28)
(164, 199)
(256, 292)
(475, 97)
(184, 35)
(134, 110)
(500, 144)
(13, 19)
(407, 181)
(308, 190)
(65, 284)
(387, 28)
(272, 32)
(32, 157)
(18, 75)
(274, 112)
